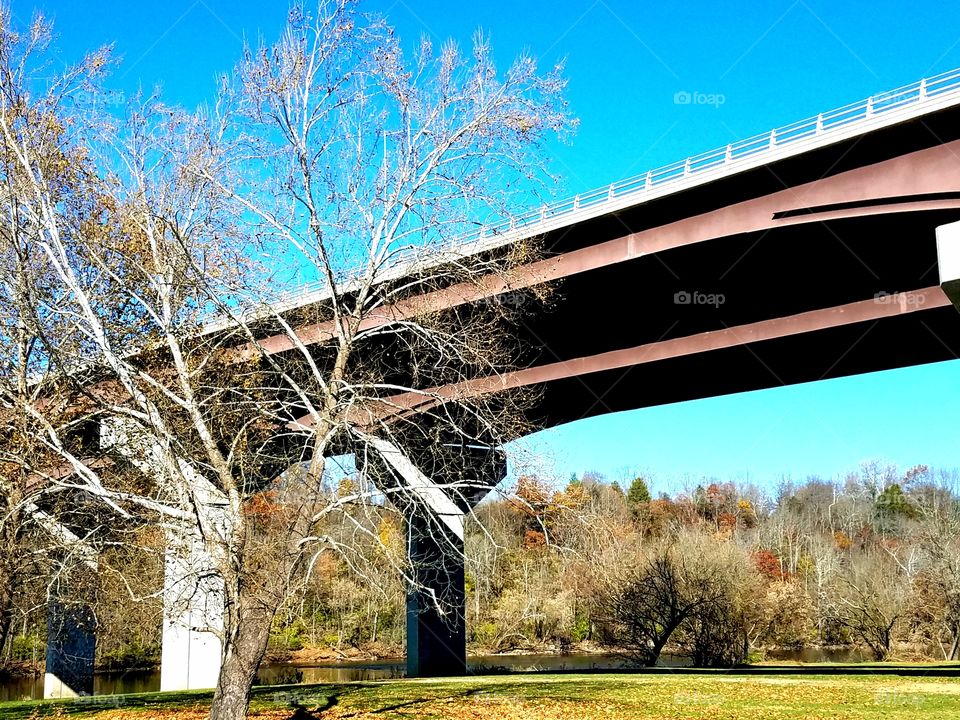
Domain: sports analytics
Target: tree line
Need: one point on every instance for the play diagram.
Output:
(716, 574)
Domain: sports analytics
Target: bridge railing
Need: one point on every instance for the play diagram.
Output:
(886, 105)
(824, 124)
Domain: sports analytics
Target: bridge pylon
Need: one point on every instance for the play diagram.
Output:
(434, 487)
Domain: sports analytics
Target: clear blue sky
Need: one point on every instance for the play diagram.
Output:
(769, 62)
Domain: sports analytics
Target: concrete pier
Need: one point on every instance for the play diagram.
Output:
(71, 647)
(436, 604)
(192, 616)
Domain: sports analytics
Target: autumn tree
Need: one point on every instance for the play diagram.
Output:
(644, 606)
(158, 239)
(35, 139)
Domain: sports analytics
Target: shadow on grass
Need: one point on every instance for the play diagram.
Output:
(303, 700)
(374, 708)
(309, 702)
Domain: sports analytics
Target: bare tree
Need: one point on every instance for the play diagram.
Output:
(331, 150)
(716, 633)
(32, 135)
(939, 587)
(870, 599)
(648, 603)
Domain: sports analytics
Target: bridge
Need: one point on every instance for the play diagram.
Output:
(826, 248)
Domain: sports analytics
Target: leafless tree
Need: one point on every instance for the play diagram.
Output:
(938, 537)
(870, 599)
(31, 132)
(331, 150)
(649, 602)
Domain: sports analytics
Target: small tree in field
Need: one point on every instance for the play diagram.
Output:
(644, 606)
(716, 633)
(870, 600)
(331, 150)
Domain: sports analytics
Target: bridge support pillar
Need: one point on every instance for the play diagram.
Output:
(192, 616)
(71, 647)
(193, 590)
(436, 604)
(948, 260)
(434, 510)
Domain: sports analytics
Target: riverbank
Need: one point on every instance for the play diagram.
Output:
(381, 653)
(15, 668)
(691, 696)
(395, 653)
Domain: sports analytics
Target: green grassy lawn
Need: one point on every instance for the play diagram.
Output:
(710, 696)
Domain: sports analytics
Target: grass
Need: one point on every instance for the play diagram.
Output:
(553, 697)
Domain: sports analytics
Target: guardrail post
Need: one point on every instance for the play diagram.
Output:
(923, 89)
(728, 155)
(686, 166)
(870, 106)
(819, 129)
(543, 213)
(773, 138)
(648, 180)
(576, 202)
(610, 192)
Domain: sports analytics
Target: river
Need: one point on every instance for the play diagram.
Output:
(134, 681)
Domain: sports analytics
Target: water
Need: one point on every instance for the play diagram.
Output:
(134, 681)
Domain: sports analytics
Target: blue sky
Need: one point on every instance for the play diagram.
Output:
(766, 64)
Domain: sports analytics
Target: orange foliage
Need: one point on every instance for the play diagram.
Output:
(726, 522)
(534, 539)
(573, 498)
(533, 493)
(768, 564)
(262, 505)
(842, 541)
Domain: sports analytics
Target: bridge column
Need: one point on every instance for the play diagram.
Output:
(192, 588)
(71, 647)
(71, 623)
(948, 260)
(436, 604)
(434, 487)
(192, 615)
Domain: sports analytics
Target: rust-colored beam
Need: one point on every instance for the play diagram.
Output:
(891, 186)
(807, 322)
(64, 470)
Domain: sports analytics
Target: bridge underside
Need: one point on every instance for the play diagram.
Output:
(818, 266)
(762, 310)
